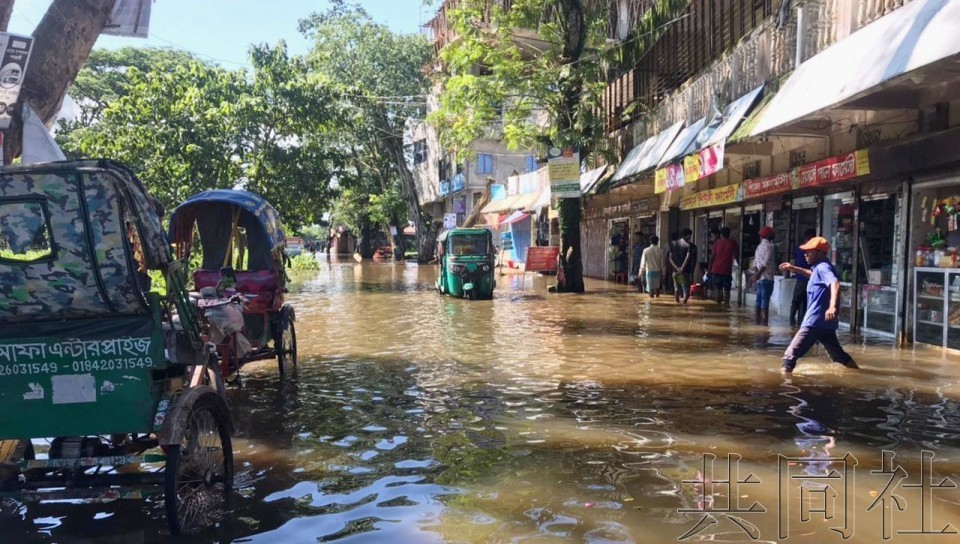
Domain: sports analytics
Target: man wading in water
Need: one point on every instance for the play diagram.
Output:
(823, 298)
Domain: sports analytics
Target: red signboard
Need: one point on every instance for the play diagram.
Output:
(542, 259)
(768, 185)
(834, 169)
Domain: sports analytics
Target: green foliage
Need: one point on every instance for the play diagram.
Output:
(314, 233)
(380, 79)
(185, 126)
(304, 261)
(532, 92)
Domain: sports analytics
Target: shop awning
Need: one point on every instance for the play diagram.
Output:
(514, 217)
(726, 123)
(512, 202)
(543, 200)
(748, 124)
(588, 180)
(920, 42)
(631, 163)
(683, 143)
(659, 147)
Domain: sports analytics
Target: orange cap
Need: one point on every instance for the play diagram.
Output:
(816, 242)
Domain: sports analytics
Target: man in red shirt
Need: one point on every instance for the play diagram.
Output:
(724, 252)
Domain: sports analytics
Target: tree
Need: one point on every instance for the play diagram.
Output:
(190, 127)
(103, 78)
(500, 73)
(62, 42)
(536, 59)
(380, 78)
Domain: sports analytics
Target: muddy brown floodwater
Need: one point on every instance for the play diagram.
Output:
(543, 418)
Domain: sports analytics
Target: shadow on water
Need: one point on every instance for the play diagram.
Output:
(420, 418)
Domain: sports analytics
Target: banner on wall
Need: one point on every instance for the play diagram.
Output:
(660, 180)
(711, 197)
(563, 166)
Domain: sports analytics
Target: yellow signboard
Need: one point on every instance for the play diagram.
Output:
(711, 197)
(660, 181)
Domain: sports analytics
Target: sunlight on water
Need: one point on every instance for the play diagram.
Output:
(543, 418)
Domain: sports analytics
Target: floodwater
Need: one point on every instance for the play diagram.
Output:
(562, 418)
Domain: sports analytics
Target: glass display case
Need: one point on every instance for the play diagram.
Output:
(878, 309)
(936, 314)
(844, 315)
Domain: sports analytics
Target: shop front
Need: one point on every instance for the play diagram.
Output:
(935, 242)
(609, 233)
(860, 216)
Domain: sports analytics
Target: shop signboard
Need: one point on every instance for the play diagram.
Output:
(444, 188)
(457, 183)
(541, 259)
(711, 197)
(564, 168)
(768, 185)
(449, 220)
(14, 54)
(834, 169)
(660, 180)
(676, 178)
(703, 163)
(506, 241)
(460, 204)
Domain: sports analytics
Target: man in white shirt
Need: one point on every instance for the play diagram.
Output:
(764, 268)
(651, 265)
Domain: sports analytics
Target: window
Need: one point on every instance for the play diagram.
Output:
(25, 231)
(531, 163)
(484, 163)
(419, 151)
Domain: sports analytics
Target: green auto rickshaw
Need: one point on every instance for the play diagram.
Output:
(466, 263)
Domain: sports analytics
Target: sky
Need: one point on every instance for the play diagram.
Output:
(222, 30)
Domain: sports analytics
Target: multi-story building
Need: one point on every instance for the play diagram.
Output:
(450, 184)
(837, 116)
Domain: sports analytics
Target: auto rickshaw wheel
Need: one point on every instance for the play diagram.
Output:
(198, 479)
(287, 349)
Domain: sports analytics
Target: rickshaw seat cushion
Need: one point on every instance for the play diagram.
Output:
(262, 283)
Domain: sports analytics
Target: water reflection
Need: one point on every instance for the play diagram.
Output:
(535, 417)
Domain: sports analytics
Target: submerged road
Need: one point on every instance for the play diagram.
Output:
(544, 418)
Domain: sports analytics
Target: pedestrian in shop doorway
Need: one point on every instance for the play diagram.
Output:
(683, 259)
(651, 266)
(823, 300)
(668, 270)
(798, 304)
(764, 269)
(639, 244)
(721, 267)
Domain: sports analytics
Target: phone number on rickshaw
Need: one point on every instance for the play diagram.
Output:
(26, 369)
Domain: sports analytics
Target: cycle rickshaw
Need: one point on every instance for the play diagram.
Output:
(241, 279)
(113, 376)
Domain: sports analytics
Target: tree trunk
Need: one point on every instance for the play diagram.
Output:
(475, 212)
(426, 235)
(574, 37)
(6, 10)
(365, 243)
(62, 42)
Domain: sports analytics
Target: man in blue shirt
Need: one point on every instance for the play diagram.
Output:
(823, 300)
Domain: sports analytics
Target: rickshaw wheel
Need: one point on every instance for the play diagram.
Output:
(287, 349)
(198, 480)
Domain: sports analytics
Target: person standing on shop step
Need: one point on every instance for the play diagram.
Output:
(823, 300)
(683, 260)
(764, 268)
(724, 252)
